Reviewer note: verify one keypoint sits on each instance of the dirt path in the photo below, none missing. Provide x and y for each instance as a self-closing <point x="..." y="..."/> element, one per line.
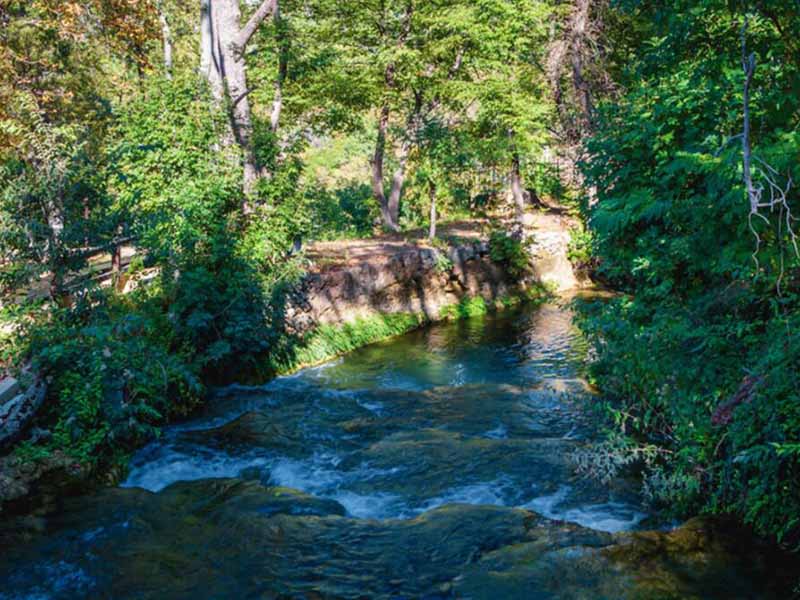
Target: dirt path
<point x="348" y="252"/>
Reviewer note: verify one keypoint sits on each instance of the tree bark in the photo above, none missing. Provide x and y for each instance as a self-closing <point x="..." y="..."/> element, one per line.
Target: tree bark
<point x="579" y="41"/>
<point x="517" y="191"/>
<point x="749" y="68"/>
<point x="210" y="67"/>
<point x="409" y="139"/>
<point x="166" y="39"/>
<point x="377" y="168"/>
<point x="398" y="179"/>
<point x="389" y="207"/>
<point x="223" y="64"/>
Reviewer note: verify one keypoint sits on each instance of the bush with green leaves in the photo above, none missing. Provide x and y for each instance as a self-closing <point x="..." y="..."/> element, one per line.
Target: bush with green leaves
<point x="114" y="376"/>
<point x="510" y="252"/>
<point x="580" y="250"/>
<point x="119" y="366"/>
<point x="699" y="359"/>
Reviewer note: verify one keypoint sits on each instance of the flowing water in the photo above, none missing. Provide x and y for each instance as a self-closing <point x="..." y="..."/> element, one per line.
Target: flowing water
<point x="415" y="468"/>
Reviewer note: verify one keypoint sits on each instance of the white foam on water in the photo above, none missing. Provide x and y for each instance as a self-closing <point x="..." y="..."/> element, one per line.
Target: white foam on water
<point x="484" y="493"/>
<point x="170" y="467"/>
<point x="498" y="433"/>
<point x="315" y="475"/>
<point x="608" y="516"/>
<point x="369" y="506"/>
<point x="320" y="477"/>
<point x="459" y="375"/>
<point x="375" y="407"/>
<point x="307" y="372"/>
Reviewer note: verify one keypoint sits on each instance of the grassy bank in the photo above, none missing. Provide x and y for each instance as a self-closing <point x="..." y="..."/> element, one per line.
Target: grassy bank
<point x="329" y="341"/>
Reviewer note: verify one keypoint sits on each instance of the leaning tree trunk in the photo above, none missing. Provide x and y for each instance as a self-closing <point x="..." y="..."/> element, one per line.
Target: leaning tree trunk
<point x="223" y="42"/>
<point x="580" y="23"/>
<point x="389" y="216"/>
<point x="398" y="179"/>
<point x="283" y="69"/>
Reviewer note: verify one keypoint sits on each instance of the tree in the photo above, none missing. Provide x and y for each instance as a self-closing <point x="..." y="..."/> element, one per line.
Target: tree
<point x="223" y="42"/>
<point x="513" y="114"/>
<point x="59" y="61"/>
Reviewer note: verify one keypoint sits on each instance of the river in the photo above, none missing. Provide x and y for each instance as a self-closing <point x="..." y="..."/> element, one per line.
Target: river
<point x="434" y="465"/>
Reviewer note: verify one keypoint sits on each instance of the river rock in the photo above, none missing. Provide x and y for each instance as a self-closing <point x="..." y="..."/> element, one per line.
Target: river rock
<point x="252" y="429"/>
<point x="28" y="484"/>
<point x="9" y="387"/>
<point x="434" y="461"/>
<point x="705" y="559"/>
<point x="228" y="538"/>
<point x="17" y="413"/>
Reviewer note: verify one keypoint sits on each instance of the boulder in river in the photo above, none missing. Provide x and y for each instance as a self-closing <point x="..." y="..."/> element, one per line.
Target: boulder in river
<point x="29" y="484"/>
<point x="705" y="559"/>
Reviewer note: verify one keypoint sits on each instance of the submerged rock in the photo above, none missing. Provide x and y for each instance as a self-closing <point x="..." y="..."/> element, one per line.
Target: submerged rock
<point x="228" y="538"/>
<point x="705" y="559"/>
<point x="252" y="429"/>
<point x="29" y="484"/>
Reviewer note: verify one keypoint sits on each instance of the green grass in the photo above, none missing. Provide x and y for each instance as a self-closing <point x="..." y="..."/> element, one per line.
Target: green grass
<point x="468" y="308"/>
<point x="329" y="341"/>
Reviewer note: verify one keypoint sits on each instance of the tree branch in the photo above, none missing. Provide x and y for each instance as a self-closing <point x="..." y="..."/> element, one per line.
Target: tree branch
<point x="266" y="8"/>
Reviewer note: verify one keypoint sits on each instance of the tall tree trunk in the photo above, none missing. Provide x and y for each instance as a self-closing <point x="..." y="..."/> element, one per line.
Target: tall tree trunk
<point x="580" y="41"/>
<point x="749" y="68"/>
<point x="210" y="67"/>
<point x="398" y="179"/>
<point x="388" y="215"/>
<point x="517" y="191"/>
<point x="223" y="41"/>
<point x="377" y="167"/>
<point x="166" y="40"/>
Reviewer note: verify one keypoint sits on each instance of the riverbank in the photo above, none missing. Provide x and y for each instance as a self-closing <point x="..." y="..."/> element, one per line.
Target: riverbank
<point x="354" y="293"/>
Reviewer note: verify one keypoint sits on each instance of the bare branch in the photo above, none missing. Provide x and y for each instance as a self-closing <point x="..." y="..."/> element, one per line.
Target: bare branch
<point x="778" y="195"/>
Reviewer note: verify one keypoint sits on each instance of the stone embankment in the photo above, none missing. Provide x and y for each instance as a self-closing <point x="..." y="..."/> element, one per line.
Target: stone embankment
<point x="358" y="279"/>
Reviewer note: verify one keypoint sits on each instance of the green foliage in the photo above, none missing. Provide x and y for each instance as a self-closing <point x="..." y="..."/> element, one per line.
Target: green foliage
<point x="52" y="206"/>
<point x="509" y="252"/>
<point x="114" y="377"/>
<point x="580" y="249"/>
<point x="346" y="212"/>
<point x="442" y="263"/>
<point x="329" y="341"/>
<point x="121" y="366"/>
<point x="700" y="360"/>
<point x="468" y="308"/>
